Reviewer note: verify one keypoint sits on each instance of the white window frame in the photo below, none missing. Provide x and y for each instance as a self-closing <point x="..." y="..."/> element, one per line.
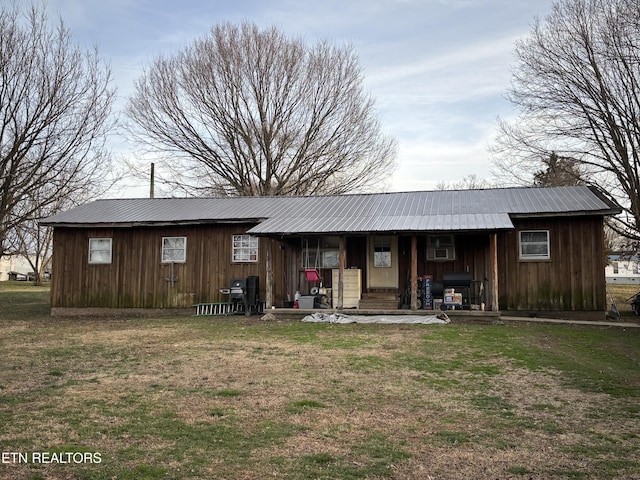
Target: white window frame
<point x="93" y="250"/>
<point x="244" y="248"/>
<point x="382" y="252"/>
<point x="534" y="256"/>
<point x="164" y="258"/>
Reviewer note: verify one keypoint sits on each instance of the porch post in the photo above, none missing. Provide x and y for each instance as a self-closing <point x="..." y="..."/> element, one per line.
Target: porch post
<point x="493" y="246"/>
<point x="269" y="279"/>
<point x="414" y="272"/>
<point x="341" y="262"/>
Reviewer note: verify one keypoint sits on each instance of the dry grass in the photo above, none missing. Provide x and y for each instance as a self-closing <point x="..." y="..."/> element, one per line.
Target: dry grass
<point x="620" y="294"/>
<point x="236" y="398"/>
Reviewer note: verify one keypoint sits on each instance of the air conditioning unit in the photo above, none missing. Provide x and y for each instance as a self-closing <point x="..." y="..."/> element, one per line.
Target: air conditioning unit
<point x="441" y="247"/>
<point x="441" y="253"/>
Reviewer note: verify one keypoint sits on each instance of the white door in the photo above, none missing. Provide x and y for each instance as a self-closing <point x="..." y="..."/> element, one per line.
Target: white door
<point x="383" y="262"/>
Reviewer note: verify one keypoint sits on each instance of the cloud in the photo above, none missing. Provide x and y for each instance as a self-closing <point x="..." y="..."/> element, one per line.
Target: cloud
<point x="423" y="165"/>
<point x="478" y="57"/>
<point x="436" y="68"/>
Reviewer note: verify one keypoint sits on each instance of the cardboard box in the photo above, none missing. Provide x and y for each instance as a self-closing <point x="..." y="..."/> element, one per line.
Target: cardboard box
<point x="455" y="299"/>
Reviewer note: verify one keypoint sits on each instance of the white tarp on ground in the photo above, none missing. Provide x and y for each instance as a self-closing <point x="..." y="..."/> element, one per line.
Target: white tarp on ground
<point x="321" y="317"/>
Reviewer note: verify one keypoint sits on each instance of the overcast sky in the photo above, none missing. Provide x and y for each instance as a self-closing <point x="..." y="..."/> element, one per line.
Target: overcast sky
<point x="438" y="69"/>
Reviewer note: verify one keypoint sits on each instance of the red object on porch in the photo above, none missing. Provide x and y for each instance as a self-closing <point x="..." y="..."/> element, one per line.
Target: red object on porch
<point x="312" y="275"/>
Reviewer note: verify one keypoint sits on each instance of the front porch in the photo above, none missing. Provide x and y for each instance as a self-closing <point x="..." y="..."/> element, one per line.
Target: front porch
<point x="389" y="272"/>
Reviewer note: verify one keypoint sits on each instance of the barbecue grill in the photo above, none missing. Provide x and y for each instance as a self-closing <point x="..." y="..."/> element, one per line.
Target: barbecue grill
<point x="460" y="281"/>
<point x="244" y="294"/>
<point x="456" y="280"/>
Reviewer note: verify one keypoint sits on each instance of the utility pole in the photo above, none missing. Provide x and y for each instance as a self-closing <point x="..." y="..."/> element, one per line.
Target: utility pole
<point x="153" y="181"/>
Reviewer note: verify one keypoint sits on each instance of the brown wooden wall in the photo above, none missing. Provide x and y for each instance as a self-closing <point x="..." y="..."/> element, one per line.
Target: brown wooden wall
<point x="293" y="275"/>
<point x="136" y="277"/>
<point x="573" y="278"/>
<point x="472" y="256"/>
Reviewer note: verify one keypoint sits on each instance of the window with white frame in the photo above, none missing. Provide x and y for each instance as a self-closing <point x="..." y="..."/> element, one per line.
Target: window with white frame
<point x="174" y="249"/>
<point x="382" y="252"/>
<point x="534" y="245"/>
<point x="244" y="249"/>
<point x="100" y="250"/>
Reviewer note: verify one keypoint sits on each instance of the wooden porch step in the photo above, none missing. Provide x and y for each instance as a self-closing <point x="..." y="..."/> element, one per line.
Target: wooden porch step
<point x="379" y="301"/>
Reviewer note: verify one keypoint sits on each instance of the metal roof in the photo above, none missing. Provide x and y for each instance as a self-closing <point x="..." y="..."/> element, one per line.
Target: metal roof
<point x="460" y="210"/>
<point x="384" y="223"/>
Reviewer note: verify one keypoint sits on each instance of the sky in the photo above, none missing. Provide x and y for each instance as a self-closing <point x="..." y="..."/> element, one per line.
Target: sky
<point x="437" y="69"/>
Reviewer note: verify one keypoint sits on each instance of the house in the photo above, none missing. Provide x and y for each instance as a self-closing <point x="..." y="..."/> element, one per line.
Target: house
<point x="623" y="268"/>
<point x="509" y="249"/>
<point x="14" y="266"/>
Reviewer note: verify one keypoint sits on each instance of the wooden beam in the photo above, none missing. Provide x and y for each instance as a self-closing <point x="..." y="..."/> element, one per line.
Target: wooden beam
<point x="493" y="246"/>
<point x="269" y="279"/>
<point x="414" y="272"/>
<point x="341" y="263"/>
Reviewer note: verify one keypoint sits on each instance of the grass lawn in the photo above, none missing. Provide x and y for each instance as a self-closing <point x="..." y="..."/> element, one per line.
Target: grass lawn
<point x="620" y="295"/>
<point x="237" y="398"/>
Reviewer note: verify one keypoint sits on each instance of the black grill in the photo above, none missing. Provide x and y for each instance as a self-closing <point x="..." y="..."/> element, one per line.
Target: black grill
<point x="456" y="280"/>
<point x="245" y="294"/>
<point x="461" y="282"/>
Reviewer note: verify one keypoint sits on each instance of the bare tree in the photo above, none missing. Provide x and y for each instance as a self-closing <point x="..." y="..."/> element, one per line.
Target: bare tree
<point x="245" y="111"/>
<point x="470" y="182"/>
<point x="32" y="241"/>
<point x="558" y="172"/>
<point x="55" y="105"/>
<point x="577" y="87"/>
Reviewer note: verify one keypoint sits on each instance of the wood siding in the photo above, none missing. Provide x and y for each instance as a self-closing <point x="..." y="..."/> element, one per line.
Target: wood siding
<point x="471" y="255"/>
<point x="136" y="278"/>
<point x="573" y="277"/>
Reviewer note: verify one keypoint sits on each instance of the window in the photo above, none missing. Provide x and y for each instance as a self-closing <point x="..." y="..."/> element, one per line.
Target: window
<point x="100" y="250"/>
<point x="245" y="248"/>
<point x="382" y="252"/>
<point x="534" y="245"/>
<point x="441" y="247"/>
<point x="320" y="252"/>
<point x="174" y="249"/>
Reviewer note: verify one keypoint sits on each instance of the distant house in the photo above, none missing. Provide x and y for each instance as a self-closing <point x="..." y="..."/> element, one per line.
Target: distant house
<point x="14" y="266"/>
<point x="623" y="268"/>
<point x="512" y="249"/>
